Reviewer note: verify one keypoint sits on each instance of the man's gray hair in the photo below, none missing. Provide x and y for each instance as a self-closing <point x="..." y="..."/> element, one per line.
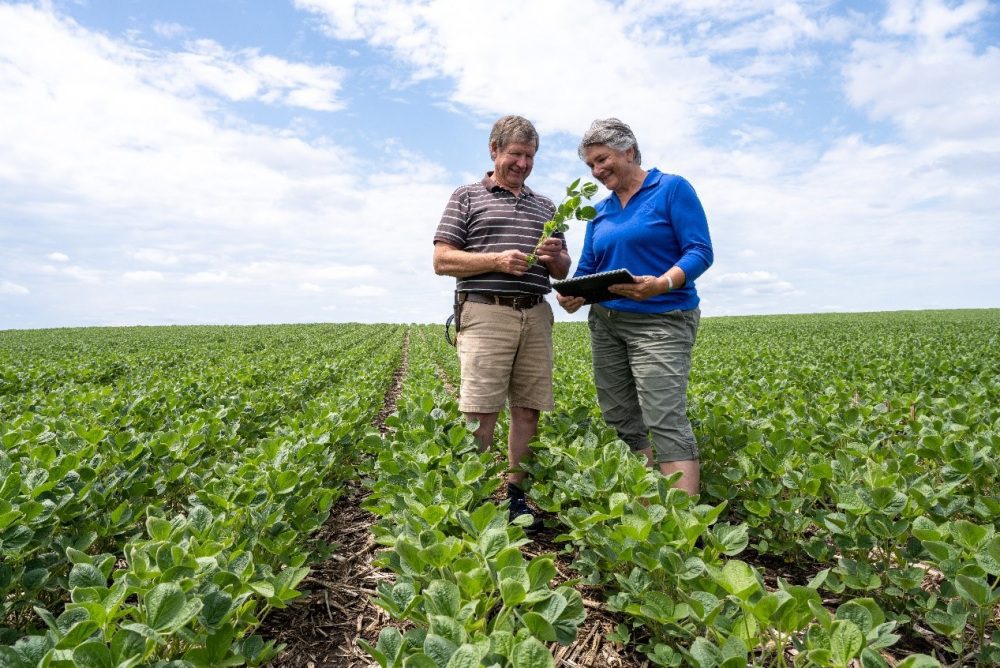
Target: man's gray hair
<point x="610" y="132"/>
<point x="512" y="130"/>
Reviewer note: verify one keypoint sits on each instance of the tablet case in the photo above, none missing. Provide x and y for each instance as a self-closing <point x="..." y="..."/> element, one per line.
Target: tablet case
<point x="593" y="287"/>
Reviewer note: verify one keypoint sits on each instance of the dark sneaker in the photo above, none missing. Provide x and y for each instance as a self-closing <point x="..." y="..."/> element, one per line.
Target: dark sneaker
<point x="519" y="506"/>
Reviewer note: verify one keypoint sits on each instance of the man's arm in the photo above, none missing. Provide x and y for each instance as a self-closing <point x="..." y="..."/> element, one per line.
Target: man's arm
<point x="451" y="261"/>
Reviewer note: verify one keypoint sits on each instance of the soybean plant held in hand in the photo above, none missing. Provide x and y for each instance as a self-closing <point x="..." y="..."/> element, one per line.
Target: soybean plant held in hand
<point x="569" y="209"/>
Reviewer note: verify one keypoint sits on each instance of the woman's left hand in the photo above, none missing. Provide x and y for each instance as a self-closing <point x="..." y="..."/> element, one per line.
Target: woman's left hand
<point x="644" y="287"/>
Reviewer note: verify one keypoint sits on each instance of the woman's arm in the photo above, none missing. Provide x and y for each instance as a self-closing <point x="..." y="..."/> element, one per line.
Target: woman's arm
<point x="691" y="229"/>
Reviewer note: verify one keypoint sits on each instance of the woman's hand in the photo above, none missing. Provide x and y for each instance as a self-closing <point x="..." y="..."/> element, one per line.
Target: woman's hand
<point x="644" y="287"/>
<point x="570" y="304"/>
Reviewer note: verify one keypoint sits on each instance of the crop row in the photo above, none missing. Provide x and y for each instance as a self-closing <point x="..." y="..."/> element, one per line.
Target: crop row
<point x="140" y="537"/>
<point x="866" y="446"/>
<point x="847" y="557"/>
<point x="160" y="487"/>
<point x="462" y="584"/>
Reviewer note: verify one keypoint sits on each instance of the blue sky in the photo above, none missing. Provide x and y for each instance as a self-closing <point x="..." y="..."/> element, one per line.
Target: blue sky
<point x="182" y="162"/>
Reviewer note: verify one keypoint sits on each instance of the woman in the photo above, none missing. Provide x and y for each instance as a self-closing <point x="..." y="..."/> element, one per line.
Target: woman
<point x="653" y="225"/>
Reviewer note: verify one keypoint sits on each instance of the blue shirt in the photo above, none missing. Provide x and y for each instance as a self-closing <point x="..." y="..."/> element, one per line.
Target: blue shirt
<point x="662" y="225"/>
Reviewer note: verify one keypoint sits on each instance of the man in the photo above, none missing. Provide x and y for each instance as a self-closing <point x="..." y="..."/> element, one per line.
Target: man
<point x="486" y="233"/>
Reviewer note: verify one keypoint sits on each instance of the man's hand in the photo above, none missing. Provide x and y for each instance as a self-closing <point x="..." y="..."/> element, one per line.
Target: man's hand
<point x="511" y="262"/>
<point x="570" y="304"/>
<point x="644" y="287"/>
<point x="549" y="250"/>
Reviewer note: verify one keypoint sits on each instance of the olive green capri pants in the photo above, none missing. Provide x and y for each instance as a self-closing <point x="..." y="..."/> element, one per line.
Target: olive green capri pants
<point x="641" y="366"/>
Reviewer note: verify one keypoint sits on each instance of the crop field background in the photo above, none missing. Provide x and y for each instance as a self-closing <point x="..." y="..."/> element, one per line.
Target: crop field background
<point x="309" y="495"/>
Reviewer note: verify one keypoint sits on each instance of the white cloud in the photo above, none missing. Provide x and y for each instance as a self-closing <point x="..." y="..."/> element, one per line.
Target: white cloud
<point x="154" y="256"/>
<point x="640" y="63"/>
<point x="143" y="276"/>
<point x="211" y="278"/>
<point x="83" y="275"/>
<point x="8" y="288"/>
<point x="58" y="257"/>
<point x="93" y="133"/>
<point x="931" y="18"/>
<point x="247" y="74"/>
<point x="169" y="29"/>
<point x="751" y="283"/>
<point x="143" y="159"/>
<point x="942" y="89"/>
<point x="365" y="291"/>
<point x="86" y="125"/>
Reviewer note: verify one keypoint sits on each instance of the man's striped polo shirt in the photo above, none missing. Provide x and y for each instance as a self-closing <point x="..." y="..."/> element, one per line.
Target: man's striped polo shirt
<point x="484" y="217"/>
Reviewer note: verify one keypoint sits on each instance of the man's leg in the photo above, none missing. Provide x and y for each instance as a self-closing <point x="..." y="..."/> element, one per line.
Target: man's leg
<point x="523" y="425"/>
<point x="484" y="432"/>
<point x="530" y="384"/>
<point x="530" y="393"/>
<point x="487" y="347"/>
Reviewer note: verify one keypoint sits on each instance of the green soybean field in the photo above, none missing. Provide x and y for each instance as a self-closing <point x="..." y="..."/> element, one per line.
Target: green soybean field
<point x="310" y="495"/>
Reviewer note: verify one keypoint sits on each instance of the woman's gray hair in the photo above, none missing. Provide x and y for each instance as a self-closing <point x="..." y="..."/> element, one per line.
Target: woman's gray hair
<point x="512" y="130"/>
<point x="610" y="132"/>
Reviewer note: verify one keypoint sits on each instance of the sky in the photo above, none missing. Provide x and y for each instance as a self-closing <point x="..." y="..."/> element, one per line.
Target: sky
<point x="238" y="162"/>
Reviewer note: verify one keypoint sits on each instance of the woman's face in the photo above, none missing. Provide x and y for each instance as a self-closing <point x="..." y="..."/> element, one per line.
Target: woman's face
<point x="609" y="166"/>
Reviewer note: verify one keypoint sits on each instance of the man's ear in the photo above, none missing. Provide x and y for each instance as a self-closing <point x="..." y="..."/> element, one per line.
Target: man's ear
<point x="493" y="151"/>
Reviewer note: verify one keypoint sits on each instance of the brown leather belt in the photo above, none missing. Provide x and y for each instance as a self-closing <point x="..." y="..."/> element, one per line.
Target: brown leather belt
<point x="519" y="302"/>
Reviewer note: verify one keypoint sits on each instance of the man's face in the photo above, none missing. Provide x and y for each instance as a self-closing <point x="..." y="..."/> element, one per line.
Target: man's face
<point x="512" y="164"/>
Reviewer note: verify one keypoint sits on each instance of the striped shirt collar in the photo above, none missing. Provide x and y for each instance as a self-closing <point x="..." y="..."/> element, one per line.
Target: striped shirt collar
<point x="492" y="186"/>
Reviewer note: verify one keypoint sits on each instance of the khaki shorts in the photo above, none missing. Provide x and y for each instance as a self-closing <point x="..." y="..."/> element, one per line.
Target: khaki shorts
<point x="505" y="354"/>
<point x="641" y="367"/>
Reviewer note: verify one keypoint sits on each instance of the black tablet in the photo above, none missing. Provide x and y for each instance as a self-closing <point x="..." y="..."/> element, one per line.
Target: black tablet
<point x="593" y="287"/>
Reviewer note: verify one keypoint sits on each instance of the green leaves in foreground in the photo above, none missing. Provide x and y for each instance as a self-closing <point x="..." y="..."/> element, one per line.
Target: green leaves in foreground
<point x="462" y="580"/>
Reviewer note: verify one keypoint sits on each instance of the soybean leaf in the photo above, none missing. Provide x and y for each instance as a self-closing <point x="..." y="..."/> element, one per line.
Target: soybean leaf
<point x="974" y="590"/>
<point x="466" y="656"/>
<point x="167" y="607"/>
<point x="846" y="641"/>
<point x="86" y="575"/>
<point x="443" y="598"/>
<point x="705" y="653"/>
<point x="918" y="661"/>
<point x="92" y="654"/>
<point x="439" y="649"/>
<point x="531" y="653"/>
<point x="739" y="579"/>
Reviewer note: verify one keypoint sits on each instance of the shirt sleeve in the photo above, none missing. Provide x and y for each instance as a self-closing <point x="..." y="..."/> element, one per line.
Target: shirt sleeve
<point x="454" y="226"/>
<point x="691" y="229"/>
